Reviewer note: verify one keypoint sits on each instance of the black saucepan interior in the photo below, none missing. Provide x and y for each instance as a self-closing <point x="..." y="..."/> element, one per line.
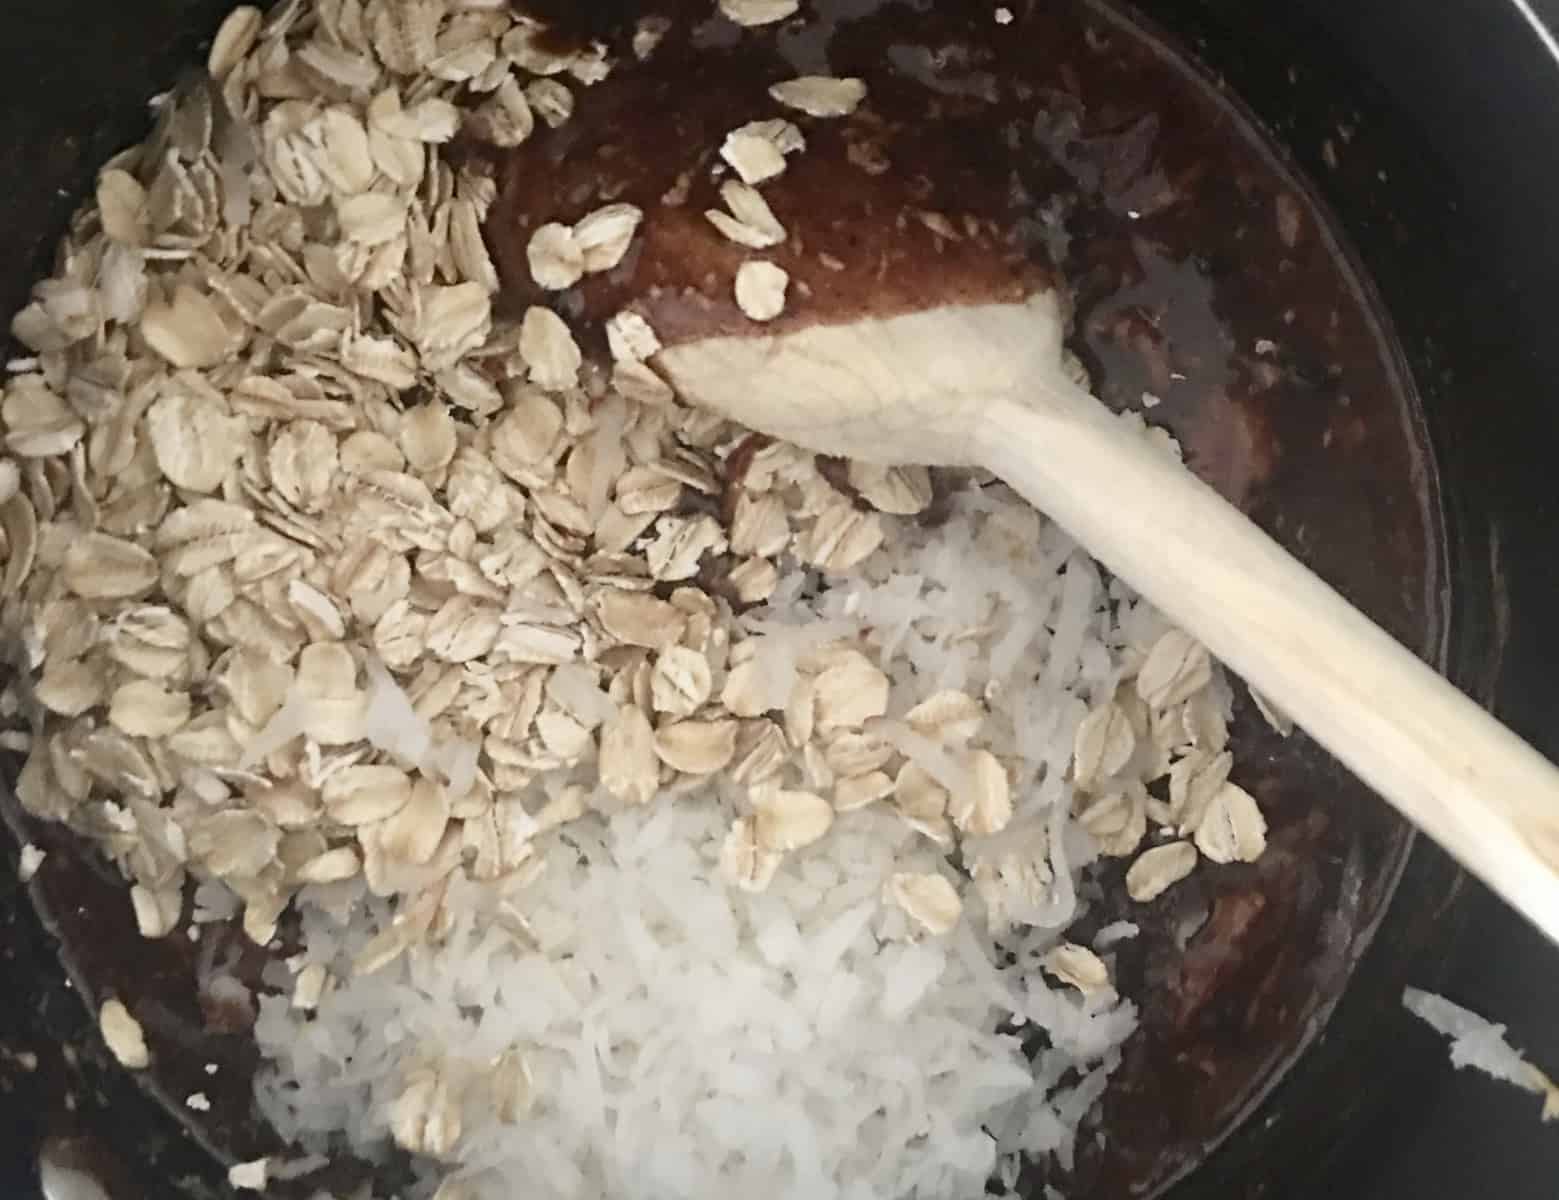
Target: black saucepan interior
<point x="74" y="77"/>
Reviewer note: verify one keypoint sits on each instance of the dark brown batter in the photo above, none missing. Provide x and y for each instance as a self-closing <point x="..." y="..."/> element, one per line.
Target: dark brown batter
<point x="1203" y="276"/>
<point x="1209" y="292"/>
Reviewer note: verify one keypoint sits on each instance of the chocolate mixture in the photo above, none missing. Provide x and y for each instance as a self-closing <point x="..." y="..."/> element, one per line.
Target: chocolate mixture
<point x="1208" y="291"/>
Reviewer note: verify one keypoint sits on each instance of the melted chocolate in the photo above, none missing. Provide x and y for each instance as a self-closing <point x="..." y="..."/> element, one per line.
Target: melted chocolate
<point x="1203" y="273"/>
<point x="1209" y="290"/>
<point x="907" y="199"/>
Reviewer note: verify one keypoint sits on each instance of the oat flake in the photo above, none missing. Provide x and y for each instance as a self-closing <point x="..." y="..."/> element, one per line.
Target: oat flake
<point x="760" y="290"/>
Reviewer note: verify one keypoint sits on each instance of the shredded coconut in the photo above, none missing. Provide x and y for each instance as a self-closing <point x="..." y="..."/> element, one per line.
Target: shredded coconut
<point x="649" y="1004"/>
<point x="1481" y="1044"/>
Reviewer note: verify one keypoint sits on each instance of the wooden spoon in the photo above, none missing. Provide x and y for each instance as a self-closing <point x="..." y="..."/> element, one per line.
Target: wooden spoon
<point x="923" y="324"/>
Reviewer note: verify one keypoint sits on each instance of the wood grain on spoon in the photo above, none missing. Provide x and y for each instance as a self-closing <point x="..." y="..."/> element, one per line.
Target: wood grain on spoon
<point x="924" y="326"/>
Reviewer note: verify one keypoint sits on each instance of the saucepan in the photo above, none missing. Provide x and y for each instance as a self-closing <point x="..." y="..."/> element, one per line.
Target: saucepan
<point x="1423" y="137"/>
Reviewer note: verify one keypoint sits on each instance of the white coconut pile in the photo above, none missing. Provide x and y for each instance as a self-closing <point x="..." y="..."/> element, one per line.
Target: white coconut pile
<point x="683" y="1038"/>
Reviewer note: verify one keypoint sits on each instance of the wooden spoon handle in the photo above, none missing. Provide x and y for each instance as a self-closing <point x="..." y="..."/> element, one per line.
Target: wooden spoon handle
<point x="1451" y="769"/>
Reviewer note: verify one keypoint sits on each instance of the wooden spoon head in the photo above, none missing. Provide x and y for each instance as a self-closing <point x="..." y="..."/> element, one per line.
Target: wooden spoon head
<point x="901" y="221"/>
<point x="902" y="389"/>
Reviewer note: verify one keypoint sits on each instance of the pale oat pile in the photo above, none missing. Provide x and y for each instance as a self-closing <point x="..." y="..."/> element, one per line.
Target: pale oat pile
<point x="323" y="580"/>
